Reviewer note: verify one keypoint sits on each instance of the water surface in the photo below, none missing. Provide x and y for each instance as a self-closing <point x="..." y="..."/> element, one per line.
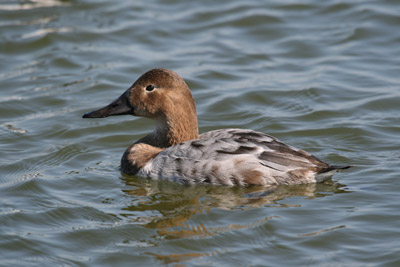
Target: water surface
<point x="322" y="76"/>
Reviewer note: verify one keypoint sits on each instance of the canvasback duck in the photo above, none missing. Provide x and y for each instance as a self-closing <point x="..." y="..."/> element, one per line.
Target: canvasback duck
<point x="175" y="151"/>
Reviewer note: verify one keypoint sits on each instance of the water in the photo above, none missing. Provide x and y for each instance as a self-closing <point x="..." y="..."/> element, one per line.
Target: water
<point x="320" y="75"/>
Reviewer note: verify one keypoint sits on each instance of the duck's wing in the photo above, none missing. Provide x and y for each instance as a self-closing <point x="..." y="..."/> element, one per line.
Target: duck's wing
<point x="235" y="156"/>
<point x="271" y="151"/>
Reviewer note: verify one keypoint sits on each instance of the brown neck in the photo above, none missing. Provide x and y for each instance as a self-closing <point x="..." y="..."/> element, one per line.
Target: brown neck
<point x="180" y="128"/>
<point x="172" y="130"/>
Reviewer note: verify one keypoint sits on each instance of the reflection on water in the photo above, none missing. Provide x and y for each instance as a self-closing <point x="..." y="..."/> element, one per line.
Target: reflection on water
<point x="173" y="206"/>
<point x="176" y="204"/>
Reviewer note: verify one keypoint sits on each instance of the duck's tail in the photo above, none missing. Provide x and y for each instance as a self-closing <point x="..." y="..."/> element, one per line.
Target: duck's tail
<point x="334" y="168"/>
<point x="327" y="173"/>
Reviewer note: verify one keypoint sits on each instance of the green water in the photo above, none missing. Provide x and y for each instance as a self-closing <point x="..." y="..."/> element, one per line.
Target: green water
<point x="319" y="75"/>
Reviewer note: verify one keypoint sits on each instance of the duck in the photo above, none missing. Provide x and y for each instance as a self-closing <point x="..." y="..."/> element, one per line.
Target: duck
<point x="175" y="151"/>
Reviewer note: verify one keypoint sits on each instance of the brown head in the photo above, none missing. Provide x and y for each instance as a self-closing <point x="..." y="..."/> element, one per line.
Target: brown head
<point x="162" y="95"/>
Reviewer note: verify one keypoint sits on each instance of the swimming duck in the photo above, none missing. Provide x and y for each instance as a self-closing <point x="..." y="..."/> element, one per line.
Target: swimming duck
<point x="175" y="151"/>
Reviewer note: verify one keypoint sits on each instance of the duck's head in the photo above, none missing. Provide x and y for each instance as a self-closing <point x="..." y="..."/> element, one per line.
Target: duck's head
<point x="159" y="94"/>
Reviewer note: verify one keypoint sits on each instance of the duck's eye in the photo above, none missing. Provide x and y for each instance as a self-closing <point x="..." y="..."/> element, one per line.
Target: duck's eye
<point x="150" y="88"/>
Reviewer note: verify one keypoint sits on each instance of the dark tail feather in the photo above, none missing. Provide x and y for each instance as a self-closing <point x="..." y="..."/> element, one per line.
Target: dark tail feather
<point x="334" y="167"/>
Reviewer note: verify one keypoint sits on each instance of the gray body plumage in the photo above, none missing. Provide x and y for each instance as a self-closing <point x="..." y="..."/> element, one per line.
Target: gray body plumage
<point x="236" y="157"/>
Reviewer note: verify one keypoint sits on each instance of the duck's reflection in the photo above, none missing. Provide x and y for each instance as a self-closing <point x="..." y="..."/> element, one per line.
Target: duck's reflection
<point x="175" y="205"/>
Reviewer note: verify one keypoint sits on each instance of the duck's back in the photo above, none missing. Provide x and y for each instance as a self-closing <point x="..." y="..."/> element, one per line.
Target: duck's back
<point x="236" y="157"/>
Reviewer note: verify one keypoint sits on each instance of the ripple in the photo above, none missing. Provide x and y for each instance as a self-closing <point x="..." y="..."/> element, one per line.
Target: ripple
<point x="33" y="5"/>
<point x="43" y="32"/>
<point x="322" y="231"/>
<point x="14" y="129"/>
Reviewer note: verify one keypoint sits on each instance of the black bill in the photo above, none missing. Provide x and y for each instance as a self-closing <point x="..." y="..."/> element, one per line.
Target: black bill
<point x="120" y="106"/>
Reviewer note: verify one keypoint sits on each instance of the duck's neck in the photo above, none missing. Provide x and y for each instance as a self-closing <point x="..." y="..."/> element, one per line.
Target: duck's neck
<point x="171" y="130"/>
<point x="181" y="128"/>
<point x="176" y="129"/>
